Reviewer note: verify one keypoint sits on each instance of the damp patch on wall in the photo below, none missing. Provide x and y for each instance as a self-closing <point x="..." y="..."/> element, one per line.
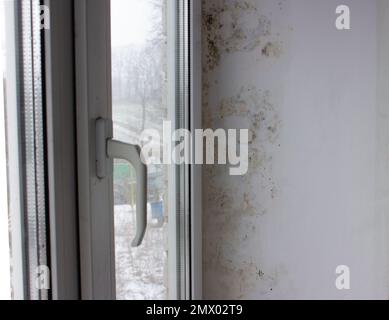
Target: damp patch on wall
<point x="231" y="26"/>
<point x="235" y="207"/>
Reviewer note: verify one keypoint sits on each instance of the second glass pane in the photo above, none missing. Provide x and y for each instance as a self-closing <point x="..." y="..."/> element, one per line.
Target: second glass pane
<point x="139" y="75"/>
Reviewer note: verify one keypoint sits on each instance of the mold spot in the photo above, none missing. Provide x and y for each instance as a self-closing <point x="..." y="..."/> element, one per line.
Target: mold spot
<point x="272" y="49"/>
<point x="260" y="273"/>
<point x="281" y="5"/>
<point x="250" y="108"/>
<point x="231" y="26"/>
<point x="235" y="207"/>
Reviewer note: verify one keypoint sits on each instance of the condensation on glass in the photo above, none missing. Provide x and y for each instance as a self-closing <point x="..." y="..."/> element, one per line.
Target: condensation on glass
<point x="139" y="102"/>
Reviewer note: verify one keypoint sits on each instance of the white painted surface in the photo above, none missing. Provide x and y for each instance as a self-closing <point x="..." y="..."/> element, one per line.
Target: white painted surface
<point x="329" y="167"/>
<point x="5" y="277"/>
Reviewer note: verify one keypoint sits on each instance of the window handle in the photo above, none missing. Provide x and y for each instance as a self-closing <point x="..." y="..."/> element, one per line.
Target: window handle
<point x="109" y="148"/>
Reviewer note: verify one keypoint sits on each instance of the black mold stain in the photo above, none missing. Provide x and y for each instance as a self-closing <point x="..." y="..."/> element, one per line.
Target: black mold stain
<point x="260" y="273"/>
<point x="233" y="208"/>
<point x="253" y="105"/>
<point x="232" y="26"/>
<point x="272" y="49"/>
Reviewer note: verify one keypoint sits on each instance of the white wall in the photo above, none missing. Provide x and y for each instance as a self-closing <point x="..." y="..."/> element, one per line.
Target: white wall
<point x="317" y="193"/>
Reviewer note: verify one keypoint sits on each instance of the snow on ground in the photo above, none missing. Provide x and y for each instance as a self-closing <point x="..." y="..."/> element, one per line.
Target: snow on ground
<point x="140" y="272"/>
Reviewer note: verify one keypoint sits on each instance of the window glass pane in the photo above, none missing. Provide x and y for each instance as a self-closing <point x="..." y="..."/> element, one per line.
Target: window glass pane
<point x="139" y="75"/>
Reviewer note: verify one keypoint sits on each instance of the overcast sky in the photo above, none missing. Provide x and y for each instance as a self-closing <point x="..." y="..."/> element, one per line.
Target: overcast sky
<point x="131" y="22"/>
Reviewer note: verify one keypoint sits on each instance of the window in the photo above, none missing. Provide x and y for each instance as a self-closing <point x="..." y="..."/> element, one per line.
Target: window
<point x="139" y="93"/>
<point x="136" y="65"/>
<point x="65" y="230"/>
<point x="23" y="152"/>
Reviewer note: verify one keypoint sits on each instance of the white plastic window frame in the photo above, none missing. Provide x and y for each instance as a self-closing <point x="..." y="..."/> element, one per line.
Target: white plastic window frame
<point x="15" y="181"/>
<point x="92" y="29"/>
